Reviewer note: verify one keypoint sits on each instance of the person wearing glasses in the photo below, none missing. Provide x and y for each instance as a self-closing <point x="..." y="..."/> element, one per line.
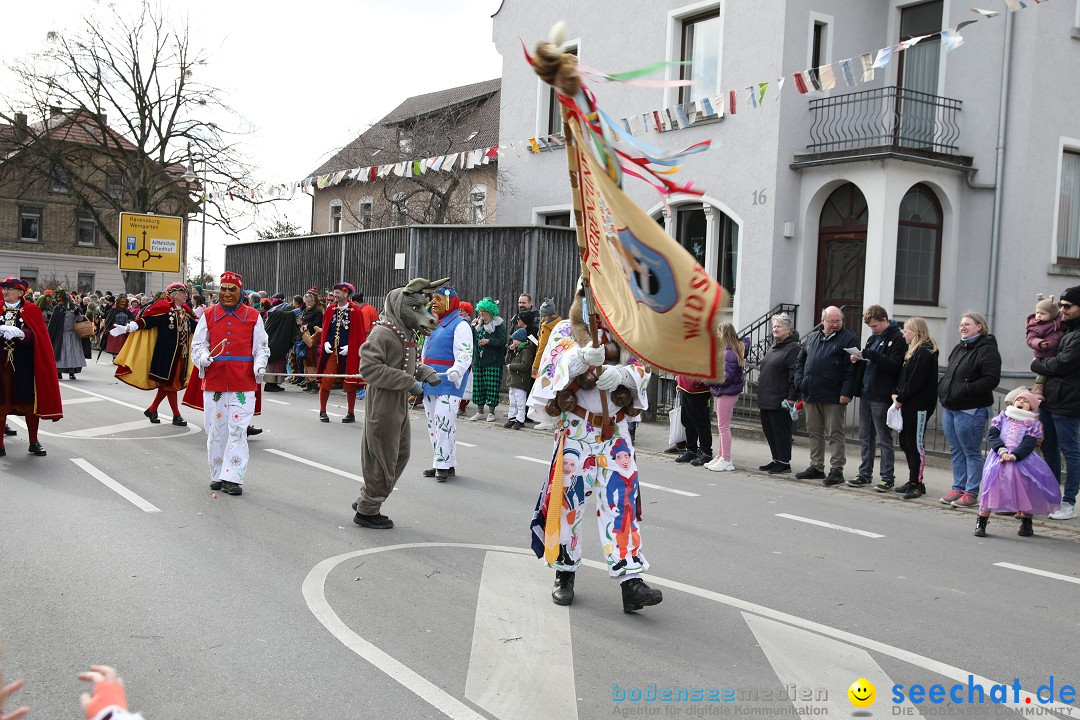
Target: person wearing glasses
<point x="1060" y="410"/>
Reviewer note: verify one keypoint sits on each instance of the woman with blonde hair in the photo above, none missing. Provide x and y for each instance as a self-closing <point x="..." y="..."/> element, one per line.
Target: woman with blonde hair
<point x="916" y="396"/>
<point x="726" y="394"/>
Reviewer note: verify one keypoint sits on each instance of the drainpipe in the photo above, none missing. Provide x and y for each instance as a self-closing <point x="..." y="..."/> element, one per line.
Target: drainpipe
<point x="999" y="171"/>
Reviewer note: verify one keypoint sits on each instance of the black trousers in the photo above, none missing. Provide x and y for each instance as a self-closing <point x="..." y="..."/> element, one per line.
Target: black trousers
<point x="696" y="420"/>
<point x="779" y="429"/>
<point x="911" y="441"/>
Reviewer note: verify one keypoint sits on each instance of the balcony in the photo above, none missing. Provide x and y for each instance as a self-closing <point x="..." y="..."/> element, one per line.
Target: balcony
<point x="882" y="123"/>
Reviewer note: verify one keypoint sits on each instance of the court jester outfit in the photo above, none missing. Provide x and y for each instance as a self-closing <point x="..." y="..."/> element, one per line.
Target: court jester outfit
<point x="28" y="382"/>
<point x="230" y="349"/>
<point x="344" y="330"/>
<point x="160" y="358"/>
<point x="448" y="351"/>
<point x="590" y="459"/>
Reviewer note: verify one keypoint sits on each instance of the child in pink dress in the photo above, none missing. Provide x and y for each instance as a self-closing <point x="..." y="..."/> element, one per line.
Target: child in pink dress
<point x="1015" y="478"/>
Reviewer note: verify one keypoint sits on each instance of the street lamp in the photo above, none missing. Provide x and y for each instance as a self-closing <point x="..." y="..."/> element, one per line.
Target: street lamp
<point x="191" y="177"/>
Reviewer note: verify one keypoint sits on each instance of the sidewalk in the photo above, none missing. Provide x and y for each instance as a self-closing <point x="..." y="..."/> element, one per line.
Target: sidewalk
<point x="749" y="451"/>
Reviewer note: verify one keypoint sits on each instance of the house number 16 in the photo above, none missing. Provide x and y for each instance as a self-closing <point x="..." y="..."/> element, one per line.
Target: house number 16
<point x="760" y="197"/>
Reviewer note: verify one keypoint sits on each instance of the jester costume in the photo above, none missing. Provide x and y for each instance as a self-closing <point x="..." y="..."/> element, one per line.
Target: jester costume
<point x="591" y="457"/>
<point x="344" y="330"/>
<point x="28" y="382"/>
<point x="449" y="351"/>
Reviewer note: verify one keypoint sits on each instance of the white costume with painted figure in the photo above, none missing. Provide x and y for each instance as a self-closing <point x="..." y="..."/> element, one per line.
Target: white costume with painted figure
<point x="449" y="351"/>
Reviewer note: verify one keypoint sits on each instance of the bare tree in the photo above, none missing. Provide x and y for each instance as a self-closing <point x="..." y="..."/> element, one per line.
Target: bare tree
<point x="116" y="112"/>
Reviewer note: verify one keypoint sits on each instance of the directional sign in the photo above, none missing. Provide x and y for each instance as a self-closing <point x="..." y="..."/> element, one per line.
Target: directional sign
<point x="149" y="243"/>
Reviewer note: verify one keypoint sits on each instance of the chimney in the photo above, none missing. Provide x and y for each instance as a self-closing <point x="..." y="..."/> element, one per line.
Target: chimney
<point x="21" y="130"/>
<point x="103" y="118"/>
<point x="55" y="110"/>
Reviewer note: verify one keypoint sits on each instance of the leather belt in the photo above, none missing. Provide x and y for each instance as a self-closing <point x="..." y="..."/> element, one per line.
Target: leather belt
<point x="596" y="419"/>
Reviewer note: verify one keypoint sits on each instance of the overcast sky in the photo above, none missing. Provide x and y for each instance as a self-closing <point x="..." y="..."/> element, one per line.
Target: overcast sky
<point x="309" y="76"/>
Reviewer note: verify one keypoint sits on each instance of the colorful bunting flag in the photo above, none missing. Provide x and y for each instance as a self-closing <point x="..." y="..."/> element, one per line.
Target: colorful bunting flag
<point x="762" y="87"/>
<point x="848" y="72"/>
<point x="951" y="40"/>
<point x="731" y="102"/>
<point x="779" y="86"/>
<point x="827" y="77"/>
<point x="800" y="83"/>
<point x="867" y="67"/>
<point x="883" y="57"/>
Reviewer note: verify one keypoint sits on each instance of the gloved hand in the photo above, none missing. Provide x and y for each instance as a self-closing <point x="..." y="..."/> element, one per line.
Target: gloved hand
<point x="417" y="389"/>
<point x="454" y="376"/>
<point x="10" y="332"/>
<point x="344" y="350"/>
<point x="259" y="373"/>
<point x="610" y="378"/>
<point x="118" y="330"/>
<point x="132" y="326"/>
<point x="202" y="361"/>
<point x="593" y="356"/>
<point x="429" y="376"/>
<point x="327" y="349"/>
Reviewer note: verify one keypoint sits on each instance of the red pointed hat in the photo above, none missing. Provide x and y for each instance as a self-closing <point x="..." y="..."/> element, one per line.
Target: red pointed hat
<point x="230" y="277"/>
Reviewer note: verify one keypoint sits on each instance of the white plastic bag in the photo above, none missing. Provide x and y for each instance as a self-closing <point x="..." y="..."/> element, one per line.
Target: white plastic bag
<point x="894" y="419"/>
<point x="676" y="431"/>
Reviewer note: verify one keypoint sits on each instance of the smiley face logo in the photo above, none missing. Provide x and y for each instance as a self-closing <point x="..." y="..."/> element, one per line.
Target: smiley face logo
<point x="862" y="693"/>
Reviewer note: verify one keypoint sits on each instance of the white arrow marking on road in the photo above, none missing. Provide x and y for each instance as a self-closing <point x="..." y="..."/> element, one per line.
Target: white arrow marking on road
<point x="1036" y="571"/>
<point x="109" y="429"/>
<point x="79" y="401"/>
<point x="796" y="657"/>
<point x="103" y="397"/>
<point x="831" y="526"/>
<point x="522" y="662"/>
<point x="463" y="444"/>
<point x="279" y="402"/>
<point x="116" y="487"/>
<point x="642" y="484"/>
<point x="75" y="434"/>
<point x="312" y="463"/>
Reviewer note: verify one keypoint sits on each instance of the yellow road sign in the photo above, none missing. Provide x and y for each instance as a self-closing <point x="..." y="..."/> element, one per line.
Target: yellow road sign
<point x="150" y="243"/>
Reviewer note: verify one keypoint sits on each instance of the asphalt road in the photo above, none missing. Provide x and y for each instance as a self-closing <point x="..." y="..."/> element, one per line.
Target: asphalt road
<point x="274" y="604"/>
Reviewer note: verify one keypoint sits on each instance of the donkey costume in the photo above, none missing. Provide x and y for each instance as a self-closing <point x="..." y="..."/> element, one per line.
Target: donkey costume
<point x="388" y="364"/>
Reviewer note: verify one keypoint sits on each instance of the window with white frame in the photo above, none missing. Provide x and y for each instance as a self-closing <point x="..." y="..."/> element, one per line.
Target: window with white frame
<point x="86" y="282"/>
<point x="552" y="114"/>
<point x="85" y="230"/>
<point x="557" y="219"/>
<point x="478" y="205"/>
<point x="30" y="224"/>
<point x="335" y="217"/>
<point x="699" y="49"/>
<point x="1068" y="228"/>
<point x="59" y="180"/>
<point x="367" y="212"/>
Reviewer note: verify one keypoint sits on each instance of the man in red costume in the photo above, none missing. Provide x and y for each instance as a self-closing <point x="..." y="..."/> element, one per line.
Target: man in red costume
<point x="344" y="331"/>
<point x="28" y="382"/>
<point x="231" y="350"/>
<point x="167" y="371"/>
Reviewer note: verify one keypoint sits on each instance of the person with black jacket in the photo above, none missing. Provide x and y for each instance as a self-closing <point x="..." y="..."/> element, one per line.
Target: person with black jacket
<point x="916" y="397"/>
<point x="966" y="392"/>
<point x="776" y="384"/>
<point x="1060" y="408"/>
<point x="826" y="379"/>
<point x="876" y="375"/>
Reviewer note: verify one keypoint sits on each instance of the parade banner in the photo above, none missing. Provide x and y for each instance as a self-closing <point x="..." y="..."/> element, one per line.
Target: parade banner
<point x="653" y="296"/>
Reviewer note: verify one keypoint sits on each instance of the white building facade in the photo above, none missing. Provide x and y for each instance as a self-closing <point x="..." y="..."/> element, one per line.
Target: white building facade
<point x="948" y="183"/>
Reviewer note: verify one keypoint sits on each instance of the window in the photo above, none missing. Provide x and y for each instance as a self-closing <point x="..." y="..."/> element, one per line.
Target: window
<point x="700" y="49"/>
<point x="553" y="123"/>
<point x="114" y="185"/>
<point x="918" y="248"/>
<point x="405" y="147"/>
<point x="478" y="205"/>
<point x="59" y="183"/>
<point x="29" y="275"/>
<point x="86" y="282"/>
<point x="366" y="213"/>
<point x="1068" y="229"/>
<point x="30" y="224"/>
<point x="729" y="253"/>
<point x="398" y="210"/>
<point x="817" y="44"/>
<point x="335" y="217"/>
<point x="557" y="219"/>
<point x="85" y="230"/>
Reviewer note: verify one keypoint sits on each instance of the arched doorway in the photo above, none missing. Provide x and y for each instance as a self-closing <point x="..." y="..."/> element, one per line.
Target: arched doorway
<point x="842" y="255"/>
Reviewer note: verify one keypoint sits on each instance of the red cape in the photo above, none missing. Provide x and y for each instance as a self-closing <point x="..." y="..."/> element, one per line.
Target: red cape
<point x="162" y="306"/>
<point x="46" y="385"/>
<point x="358" y="330"/>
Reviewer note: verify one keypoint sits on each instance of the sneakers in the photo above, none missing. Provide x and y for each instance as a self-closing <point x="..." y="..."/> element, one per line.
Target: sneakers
<point x="780" y="468"/>
<point x="376" y="522"/>
<point x="768" y="466"/>
<point x="231" y="488"/>
<point x="675" y="449"/>
<point x="477" y="416"/>
<point x="636" y="595"/>
<point x="509" y="424"/>
<point x="965" y="501"/>
<point x="884" y="486"/>
<point x="490" y="417"/>
<point x="702" y="458"/>
<point x="859" y="481"/>
<point x="835" y="477"/>
<point x="687" y="456"/>
<point x="916" y="490"/>
<point x="215" y="485"/>
<point x="720" y="465"/>
<point x="1067" y="511"/>
<point x="953" y="495"/>
<point x="810" y="473"/>
<point x="901" y="489"/>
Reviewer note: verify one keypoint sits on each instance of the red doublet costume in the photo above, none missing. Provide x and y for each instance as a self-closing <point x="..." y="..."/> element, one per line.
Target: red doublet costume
<point x="355" y="325"/>
<point x="230" y="336"/>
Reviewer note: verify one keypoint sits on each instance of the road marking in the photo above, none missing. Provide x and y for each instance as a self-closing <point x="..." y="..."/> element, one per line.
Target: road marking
<point x="533" y="460"/>
<point x="831" y="526"/>
<point x="314" y="464"/>
<point x="279" y="402"/>
<point x="642" y="484"/>
<point x="116" y="487"/>
<point x="90" y="434"/>
<point x="1036" y="571"/>
<point x="522" y="661"/>
<point x="462" y="444"/>
<point x="104" y="397"/>
<point x="315" y="596"/>
<point x="80" y="401"/>
<point x="329" y="413"/>
<point x="667" y="489"/>
<point x="795" y="656"/>
<point x="107" y="429"/>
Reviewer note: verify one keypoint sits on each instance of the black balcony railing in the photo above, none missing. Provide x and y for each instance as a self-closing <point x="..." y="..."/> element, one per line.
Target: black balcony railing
<point x="890" y="117"/>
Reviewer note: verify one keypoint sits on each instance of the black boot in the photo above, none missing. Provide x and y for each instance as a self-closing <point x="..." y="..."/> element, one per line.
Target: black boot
<point x="1025" y="527"/>
<point x="636" y="595"/>
<point x="563" y="592"/>
<point x="152" y="415"/>
<point x="36" y="449"/>
<point x="179" y="421"/>
<point x="980" y="525"/>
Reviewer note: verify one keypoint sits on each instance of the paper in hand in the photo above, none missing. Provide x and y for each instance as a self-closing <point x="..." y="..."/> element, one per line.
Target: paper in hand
<point x="854" y="351"/>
